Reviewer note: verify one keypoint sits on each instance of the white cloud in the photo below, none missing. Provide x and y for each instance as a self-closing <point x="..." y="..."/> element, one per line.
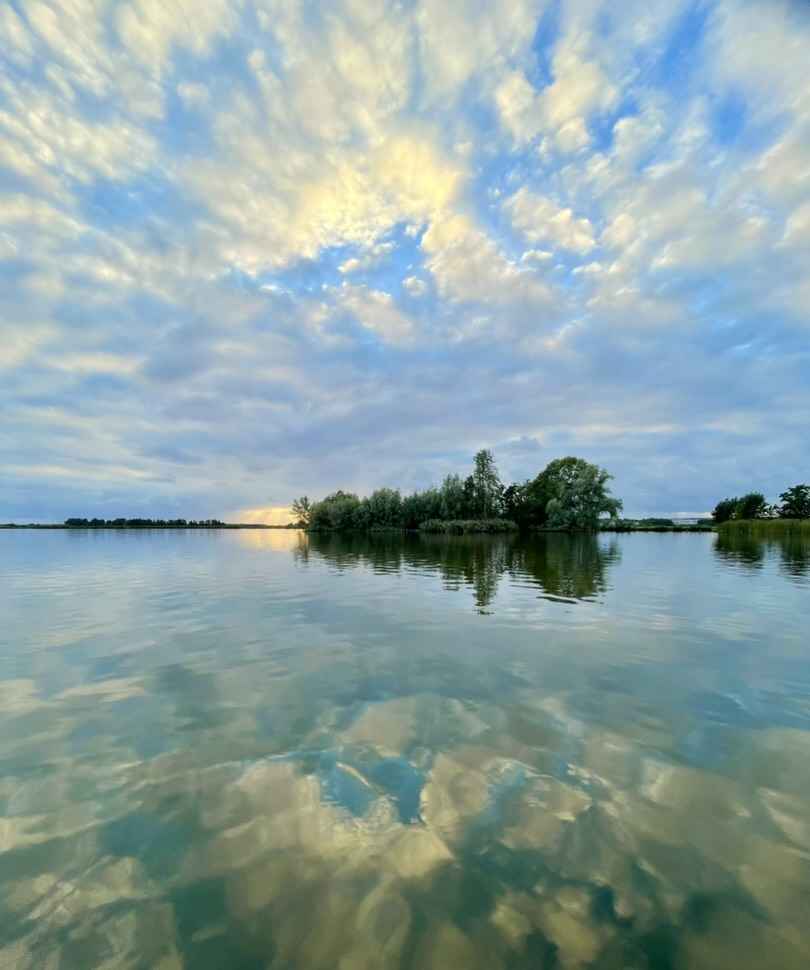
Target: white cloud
<point x="519" y="107"/>
<point x="573" y="136"/>
<point x="49" y="142"/>
<point x="20" y="341"/>
<point x="536" y="256"/>
<point x="376" y="311"/>
<point x="193" y="95"/>
<point x="463" y="39"/>
<point x="372" y="257"/>
<point x="797" y="229"/>
<point x="468" y="266"/>
<point x="15" y="41"/>
<point x="415" y="286"/>
<point x="540" y="219"/>
<point x="150" y="28"/>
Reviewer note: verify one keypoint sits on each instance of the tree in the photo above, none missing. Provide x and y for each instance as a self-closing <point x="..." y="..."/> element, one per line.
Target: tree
<point x="302" y="510"/>
<point x="487" y="487"/>
<point x="384" y="508"/>
<point x="340" y="510"/>
<point x="795" y="503"/>
<point x="751" y="506"/>
<point x="515" y="503"/>
<point x="452" y="498"/>
<point x="725" y="509"/>
<point x="575" y="494"/>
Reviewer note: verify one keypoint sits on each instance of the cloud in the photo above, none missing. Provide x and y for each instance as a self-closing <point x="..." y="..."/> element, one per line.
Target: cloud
<point x="468" y="266"/>
<point x="415" y="286"/>
<point x="246" y="247"/>
<point x="266" y="515"/>
<point x="376" y="311"/>
<point x="539" y="219"/>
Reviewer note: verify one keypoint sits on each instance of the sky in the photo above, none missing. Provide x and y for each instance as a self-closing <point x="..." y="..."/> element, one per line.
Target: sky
<point x="254" y="249"/>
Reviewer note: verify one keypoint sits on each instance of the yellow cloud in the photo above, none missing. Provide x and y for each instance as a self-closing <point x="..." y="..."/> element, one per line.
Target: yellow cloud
<point x="265" y="515"/>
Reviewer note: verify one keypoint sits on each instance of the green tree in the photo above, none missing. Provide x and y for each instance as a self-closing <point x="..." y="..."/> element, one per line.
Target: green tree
<point x="751" y="506"/>
<point x="421" y="506"/>
<point x="470" y="510"/>
<point x="575" y="494"/>
<point x="795" y="503"/>
<point x="384" y="508"/>
<point x="340" y="510"/>
<point x="725" y="509"/>
<point x="302" y="510"/>
<point x="452" y="498"/>
<point x="515" y="503"/>
<point x="487" y="487"/>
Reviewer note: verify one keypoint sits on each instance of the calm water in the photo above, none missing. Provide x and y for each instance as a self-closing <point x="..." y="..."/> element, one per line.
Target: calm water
<point x="234" y="751"/>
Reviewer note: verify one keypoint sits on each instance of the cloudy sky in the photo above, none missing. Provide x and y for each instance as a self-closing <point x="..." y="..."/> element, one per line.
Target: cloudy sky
<point x="256" y="248"/>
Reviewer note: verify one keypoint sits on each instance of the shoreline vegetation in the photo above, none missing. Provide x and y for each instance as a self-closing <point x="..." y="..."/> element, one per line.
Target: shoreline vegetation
<point x="766" y="528"/>
<point x="83" y="524"/>
<point x="569" y="494"/>
<point x="750" y="516"/>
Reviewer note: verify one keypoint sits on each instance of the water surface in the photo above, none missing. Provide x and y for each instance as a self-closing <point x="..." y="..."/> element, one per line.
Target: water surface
<point x="233" y="751"/>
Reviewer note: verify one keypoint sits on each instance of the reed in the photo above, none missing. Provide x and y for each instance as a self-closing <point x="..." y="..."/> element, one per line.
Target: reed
<point x="766" y="528"/>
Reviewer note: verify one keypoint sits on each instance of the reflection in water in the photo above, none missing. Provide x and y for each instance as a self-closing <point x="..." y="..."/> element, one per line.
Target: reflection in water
<point x="315" y="758"/>
<point x="751" y="551"/>
<point x="561" y="566"/>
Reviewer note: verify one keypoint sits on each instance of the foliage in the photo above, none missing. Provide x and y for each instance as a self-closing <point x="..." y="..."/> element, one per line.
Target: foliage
<point x="419" y="506"/>
<point x="655" y="525"/>
<point x="724" y="510"/>
<point x="571" y="493"/>
<point x="340" y="510"/>
<point x="302" y="510"/>
<point x="383" y="508"/>
<point x="465" y="526"/>
<point x="751" y="506"/>
<point x="487" y="490"/>
<point x="766" y="528"/>
<point x="453" y="498"/>
<point x="795" y="502"/>
<point x="516" y="503"/>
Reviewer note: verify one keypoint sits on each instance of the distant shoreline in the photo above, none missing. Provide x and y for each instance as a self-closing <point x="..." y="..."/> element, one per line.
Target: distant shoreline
<point x="143" y="528"/>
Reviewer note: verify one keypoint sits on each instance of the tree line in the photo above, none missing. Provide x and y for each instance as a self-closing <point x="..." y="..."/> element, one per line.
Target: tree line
<point x="794" y="503"/>
<point x="144" y="524"/>
<point x="569" y="493"/>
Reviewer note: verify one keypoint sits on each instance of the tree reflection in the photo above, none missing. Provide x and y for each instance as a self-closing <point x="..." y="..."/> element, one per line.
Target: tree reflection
<point x="571" y="567"/>
<point x="567" y="567"/>
<point x="740" y="549"/>
<point x="794" y="551"/>
<point x="751" y="551"/>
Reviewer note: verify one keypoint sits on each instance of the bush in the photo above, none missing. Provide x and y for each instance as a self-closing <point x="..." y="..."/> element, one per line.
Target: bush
<point x="466" y="526"/>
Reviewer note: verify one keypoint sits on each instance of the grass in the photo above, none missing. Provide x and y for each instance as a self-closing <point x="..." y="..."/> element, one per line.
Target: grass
<point x="766" y="528"/>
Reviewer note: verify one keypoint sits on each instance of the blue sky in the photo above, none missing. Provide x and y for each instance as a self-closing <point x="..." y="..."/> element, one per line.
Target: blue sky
<point x="252" y="249"/>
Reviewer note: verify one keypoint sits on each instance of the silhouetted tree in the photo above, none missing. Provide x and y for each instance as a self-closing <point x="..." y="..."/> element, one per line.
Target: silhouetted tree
<point x="795" y="502"/>
<point x="302" y="510"/>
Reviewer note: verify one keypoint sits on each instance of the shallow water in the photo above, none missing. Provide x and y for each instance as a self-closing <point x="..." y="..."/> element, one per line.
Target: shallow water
<point x="228" y="751"/>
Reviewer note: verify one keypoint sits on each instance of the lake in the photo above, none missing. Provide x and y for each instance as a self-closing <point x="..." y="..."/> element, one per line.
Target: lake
<point x="257" y="749"/>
